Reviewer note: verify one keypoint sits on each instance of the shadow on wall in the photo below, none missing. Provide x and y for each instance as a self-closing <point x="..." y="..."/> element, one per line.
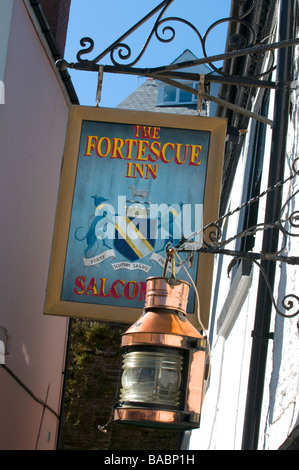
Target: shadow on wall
<point x="91" y="391"/>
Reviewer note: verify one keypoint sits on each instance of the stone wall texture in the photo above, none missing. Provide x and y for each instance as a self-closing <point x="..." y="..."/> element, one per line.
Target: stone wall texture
<point x="91" y="391"/>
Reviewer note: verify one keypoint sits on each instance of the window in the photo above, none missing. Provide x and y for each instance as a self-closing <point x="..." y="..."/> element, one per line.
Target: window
<point x="169" y="95"/>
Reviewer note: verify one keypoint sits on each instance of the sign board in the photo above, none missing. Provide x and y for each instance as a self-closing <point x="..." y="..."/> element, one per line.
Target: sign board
<point x="131" y="183"/>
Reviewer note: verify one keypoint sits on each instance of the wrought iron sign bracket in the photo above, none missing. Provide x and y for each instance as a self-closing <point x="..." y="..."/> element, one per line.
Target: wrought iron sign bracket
<point x="173" y="73"/>
<point x="212" y="242"/>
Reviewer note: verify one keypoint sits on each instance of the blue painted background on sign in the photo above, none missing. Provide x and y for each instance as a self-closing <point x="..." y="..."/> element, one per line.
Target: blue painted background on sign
<point x="137" y="189"/>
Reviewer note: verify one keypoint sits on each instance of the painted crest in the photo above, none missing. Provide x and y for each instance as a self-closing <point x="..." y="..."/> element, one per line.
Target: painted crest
<point x="135" y="236"/>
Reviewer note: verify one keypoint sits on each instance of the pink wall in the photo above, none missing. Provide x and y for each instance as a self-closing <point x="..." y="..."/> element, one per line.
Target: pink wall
<point x="32" y="130"/>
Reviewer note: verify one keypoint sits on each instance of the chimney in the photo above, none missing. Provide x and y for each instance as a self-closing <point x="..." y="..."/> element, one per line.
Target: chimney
<point x="57" y="15"/>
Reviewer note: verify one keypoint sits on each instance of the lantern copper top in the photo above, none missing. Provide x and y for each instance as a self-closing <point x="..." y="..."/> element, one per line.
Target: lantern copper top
<point x="166" y="293"/>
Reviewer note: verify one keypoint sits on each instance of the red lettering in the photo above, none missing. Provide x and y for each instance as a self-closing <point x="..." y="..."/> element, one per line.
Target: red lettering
<point x="127" y="291"/>
<point x="146" y="132"/>
<point x="194" y="157"/>
<point x="91" y="287"/>
<point x="138" y="169"/>
<point x="99" y="147"/>
<point x="178" y="152"/>
<point x="130" y="290"/>
<point x="130" y="143"/>
<point x="129" y="170"/>
<point x="151" y="171"/>
<point x="117" y="145"/>
<point x="102" y="288"/>
<point x="163" y="152"/>
<point x="142" y="291"/>
<point x="113" y="289"/>
<point x="79" y="282"/>
<point x="155" y="151"/>
<point x="142" y="144"/>
<point x="155" y="133"/>
<point x="136" y="128"/>
<point x="90" y="143"/>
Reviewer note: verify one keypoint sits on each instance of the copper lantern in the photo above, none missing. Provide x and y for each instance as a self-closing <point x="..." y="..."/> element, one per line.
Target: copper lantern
<point x="164" y="362"/>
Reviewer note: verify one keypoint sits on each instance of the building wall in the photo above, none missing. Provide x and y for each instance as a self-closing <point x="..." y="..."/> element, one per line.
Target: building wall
<point x="32" y="130"/>
<point x="281" y="407"/>
<point x="5" y="20"/>
<point x="224" y="406"/>
<point x="57" y="14"/>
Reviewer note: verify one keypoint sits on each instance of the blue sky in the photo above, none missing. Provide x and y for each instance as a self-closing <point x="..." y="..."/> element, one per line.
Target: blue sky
<point x="105" y="21"/>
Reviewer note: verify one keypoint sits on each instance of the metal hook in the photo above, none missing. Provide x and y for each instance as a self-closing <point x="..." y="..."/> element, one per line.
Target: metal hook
<point x="100" y="84"/>
<point x="166" y="261"/>
<point x="201" y="89"/>
<point x="170" y="257"/>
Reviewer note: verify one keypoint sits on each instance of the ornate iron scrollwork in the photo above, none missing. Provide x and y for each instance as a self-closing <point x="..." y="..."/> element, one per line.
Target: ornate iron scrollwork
<point x="119" y="46"/>
<point x="124" y="52"/>
<point x="214" y="232"/>
<point x="214" y="244"/>
<point x="164" y="32"/>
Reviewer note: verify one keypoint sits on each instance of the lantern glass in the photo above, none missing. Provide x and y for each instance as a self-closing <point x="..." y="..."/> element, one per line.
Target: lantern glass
<point x="152" y="377"/>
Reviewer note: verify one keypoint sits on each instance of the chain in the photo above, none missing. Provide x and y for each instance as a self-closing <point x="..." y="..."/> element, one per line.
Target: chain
<point x="219" y="221"/>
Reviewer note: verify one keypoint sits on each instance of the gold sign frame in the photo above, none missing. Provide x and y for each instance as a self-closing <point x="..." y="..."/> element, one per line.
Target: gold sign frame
<point x="77" y="114"/>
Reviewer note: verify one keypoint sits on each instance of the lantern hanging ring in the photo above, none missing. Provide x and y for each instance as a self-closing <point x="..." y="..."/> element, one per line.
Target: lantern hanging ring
<point x="170" y="258"/>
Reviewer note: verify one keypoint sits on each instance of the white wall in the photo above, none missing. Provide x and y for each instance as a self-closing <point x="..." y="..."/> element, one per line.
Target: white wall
<point x="281" y="407"/>
<point x="224" y="406"/>
<point x="223" y="410"/>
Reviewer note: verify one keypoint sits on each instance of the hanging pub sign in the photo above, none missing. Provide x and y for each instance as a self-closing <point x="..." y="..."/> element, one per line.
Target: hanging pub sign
<point x="131" y="184"/>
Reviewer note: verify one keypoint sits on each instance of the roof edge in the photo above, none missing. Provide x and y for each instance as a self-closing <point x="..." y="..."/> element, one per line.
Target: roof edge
<point x="46" y="30"/>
